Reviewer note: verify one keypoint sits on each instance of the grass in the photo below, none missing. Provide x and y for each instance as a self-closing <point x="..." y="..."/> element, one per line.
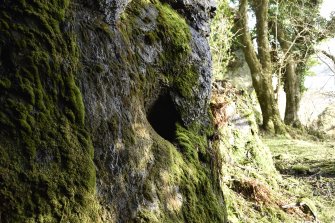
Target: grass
<point x="308" y="169"/>
<point x="270" y="179"/>
<point x="250" y="182"/>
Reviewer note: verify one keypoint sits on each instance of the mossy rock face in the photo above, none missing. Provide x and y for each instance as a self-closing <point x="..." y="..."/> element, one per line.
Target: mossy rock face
<point x="78" y="83"/>
<point x="150" y="55"/>
<point x="248" y="173"/>
<point x="47" y="171"/>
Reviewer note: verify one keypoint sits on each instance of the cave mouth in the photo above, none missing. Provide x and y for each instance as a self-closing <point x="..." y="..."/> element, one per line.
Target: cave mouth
<point x="163" y="117"/>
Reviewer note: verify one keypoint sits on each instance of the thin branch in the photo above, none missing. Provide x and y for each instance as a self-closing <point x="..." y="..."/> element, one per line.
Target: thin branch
<point x="330" y="56"/>
<point x="325" y="62"/>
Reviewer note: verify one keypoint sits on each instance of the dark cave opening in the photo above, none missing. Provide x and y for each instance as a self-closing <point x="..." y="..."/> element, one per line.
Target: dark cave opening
<point x="163" y="117"/>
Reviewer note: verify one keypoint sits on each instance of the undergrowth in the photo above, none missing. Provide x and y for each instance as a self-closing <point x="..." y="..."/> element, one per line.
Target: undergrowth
<point x="253" y="187"/>
<point x="309" y="172"/>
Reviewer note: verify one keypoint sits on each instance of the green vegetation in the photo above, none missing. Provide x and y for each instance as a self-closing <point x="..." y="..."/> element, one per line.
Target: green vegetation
<point x="204" y="174"/>
<point x="173" y="33"/>
<point x="299" y="182"/>
<point x="308" y="169"/>
<point x="250" y="183"/>
<point x="221" y="39"/>
<point x="180" y="182"/>
<point x="173" y="29"/>
<point x="46" y="169"/>
<point x="181" y="177"/>
<point x="291" y="183"/>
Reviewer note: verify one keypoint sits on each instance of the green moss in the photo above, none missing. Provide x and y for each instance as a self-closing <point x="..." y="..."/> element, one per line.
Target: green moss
<point x="70" y="115"/>
<point x="76" y="100"/>
<point x="147" y="216"/>
<point x="98" y="68"/>
<point x="190" y="165"/>
<point x="4" y="24"/>
<point x="191" y="143"/>
<point x="203" y="199"/>
<point x="151" y="38"/>
<point x="104" y="27"/>
<point x="174" y="29"/>
<point x="300" y="169"/>
<point x="46" y="162"/>
<point x="177" y="36"/>
<point x="174" y="34"/>
<point x="186" y="82"/>
<point x="5" y="83"/>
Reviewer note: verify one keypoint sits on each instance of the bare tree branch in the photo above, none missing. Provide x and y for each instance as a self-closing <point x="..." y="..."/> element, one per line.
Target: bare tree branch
<point x="325" y="62"/>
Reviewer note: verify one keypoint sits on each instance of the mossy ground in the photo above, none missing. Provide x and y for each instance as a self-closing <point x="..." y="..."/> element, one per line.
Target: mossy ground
<point x="257" y="182"/>
<point x="308" y="169"/>
<point x="244" y="165"/>
<point x="305" y="174"/>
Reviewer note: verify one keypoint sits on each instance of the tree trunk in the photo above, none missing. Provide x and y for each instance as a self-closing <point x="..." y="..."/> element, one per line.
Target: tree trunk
<point x="291" y="80"/>
<point x="292" y="90"/>
<point x="260" y="67"/>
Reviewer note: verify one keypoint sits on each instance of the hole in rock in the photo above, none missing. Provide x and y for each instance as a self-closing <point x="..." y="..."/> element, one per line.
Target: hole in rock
<point x="163" y="117"/>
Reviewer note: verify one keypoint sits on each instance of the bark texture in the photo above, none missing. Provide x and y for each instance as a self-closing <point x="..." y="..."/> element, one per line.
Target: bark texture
<point x="260" y="65"/>
<point x="291" y="80"/>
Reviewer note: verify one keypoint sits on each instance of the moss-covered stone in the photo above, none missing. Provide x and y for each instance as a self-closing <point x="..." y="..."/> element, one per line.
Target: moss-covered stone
<point x="173" y="33"/>
<point x="204" y="198"/>
<point x="182" y="180"/>
<point x="47" y="172"/>
<point x="47" y="151"/>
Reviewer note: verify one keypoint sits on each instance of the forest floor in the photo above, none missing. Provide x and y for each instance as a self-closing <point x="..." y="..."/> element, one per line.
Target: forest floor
<point x="308" y="170"/>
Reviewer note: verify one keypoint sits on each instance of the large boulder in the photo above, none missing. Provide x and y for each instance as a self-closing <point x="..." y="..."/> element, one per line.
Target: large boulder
<point x="326" y="121"/>
<point x="104" y="112"/>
